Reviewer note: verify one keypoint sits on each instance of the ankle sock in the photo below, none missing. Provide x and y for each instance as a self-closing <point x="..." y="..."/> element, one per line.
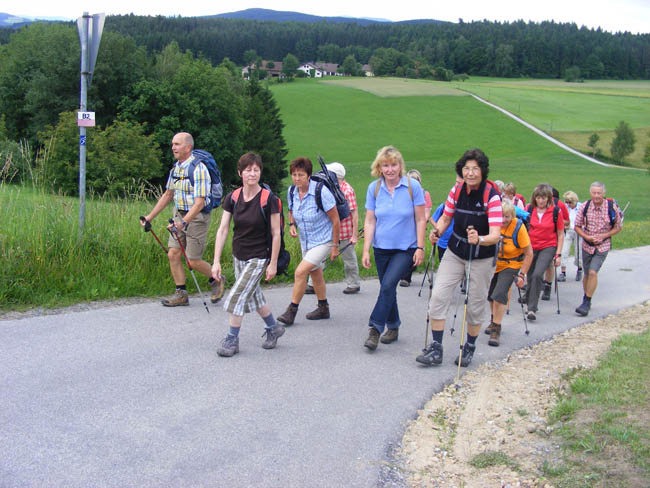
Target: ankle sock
<point x="181" y="287"/>
<point x="471" y="339"/>
<point x="322" y="302"/>
<point x="294" y="305"/>
<point x="587" y="299"/>
<point x="269" y="320"/>
<point x="437" y="335"/>
<point x="234" y="331"/>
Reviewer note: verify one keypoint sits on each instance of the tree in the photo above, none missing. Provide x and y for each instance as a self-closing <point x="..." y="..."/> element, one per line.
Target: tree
<point x="646" y="154"/>
<point x="197" y="98"/>
<point x="503" y="60"/>
<point x="250" y="56"/>
<point x="120" y="157"/>
<point x="350" y="66"/>
<point x="290" y="65"/>
<point x="593" y="142"/>
<point x="572" y="74"/>
<point x="264" y="133"/>
<point x="623" y="143"/>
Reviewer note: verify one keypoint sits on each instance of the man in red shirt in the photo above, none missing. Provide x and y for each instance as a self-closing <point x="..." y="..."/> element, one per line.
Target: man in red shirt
<point x="596" y="227"/>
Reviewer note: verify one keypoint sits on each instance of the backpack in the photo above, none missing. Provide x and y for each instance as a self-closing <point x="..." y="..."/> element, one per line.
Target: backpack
<point x="378" y="186"/>
<point x="327" y="178"/>
<point x="610" y="211"/>
<point x="284" y="258"/>
<point x="213" y="200"/>
<point x="486" y="193"/>
<point x="515" y="234"/>
<point x="514" y="238"/>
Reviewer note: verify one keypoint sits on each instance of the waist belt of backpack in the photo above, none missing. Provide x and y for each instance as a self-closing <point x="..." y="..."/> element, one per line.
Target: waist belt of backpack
<point x="518" y="258"/>
<point x="471" y="212"/>
<point x="462" y="239"/>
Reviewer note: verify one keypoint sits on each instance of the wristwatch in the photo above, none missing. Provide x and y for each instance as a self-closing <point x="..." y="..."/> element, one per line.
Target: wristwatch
<point x="420" y="248"/>
<point x="481" y="240"/>
<point x="184" y="224"/>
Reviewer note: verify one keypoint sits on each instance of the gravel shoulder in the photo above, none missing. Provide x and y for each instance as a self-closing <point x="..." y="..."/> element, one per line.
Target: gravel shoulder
<point x="502" y="406"/>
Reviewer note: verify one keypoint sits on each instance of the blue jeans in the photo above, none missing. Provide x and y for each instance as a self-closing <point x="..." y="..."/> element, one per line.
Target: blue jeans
<point x="391" y="266"/>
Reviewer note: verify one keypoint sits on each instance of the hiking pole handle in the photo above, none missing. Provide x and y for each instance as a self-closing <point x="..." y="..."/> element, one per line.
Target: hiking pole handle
<point x="146" y="223"/>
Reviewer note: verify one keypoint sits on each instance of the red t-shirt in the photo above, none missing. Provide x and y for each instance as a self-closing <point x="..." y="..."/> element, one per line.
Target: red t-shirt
<point x="542" y="232"/>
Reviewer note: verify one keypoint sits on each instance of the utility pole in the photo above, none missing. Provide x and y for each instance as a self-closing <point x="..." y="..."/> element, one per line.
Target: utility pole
<point x="90" y="33"/>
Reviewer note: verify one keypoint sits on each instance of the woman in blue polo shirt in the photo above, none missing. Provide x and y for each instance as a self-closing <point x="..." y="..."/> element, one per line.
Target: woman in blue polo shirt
<point x="395" y="225"/>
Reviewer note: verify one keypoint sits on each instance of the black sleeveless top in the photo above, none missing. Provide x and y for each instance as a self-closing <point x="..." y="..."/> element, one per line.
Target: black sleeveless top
<point x="471" y="210"/>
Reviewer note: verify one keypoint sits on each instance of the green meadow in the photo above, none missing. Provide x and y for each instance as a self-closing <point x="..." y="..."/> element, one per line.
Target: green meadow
<point x="348" y="120"/>
<point x="571" y="112"/>
<point x="344" y="122"/>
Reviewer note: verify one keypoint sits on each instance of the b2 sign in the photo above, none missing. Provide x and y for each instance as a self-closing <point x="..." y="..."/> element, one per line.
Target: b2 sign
<point x="86" y="119"/>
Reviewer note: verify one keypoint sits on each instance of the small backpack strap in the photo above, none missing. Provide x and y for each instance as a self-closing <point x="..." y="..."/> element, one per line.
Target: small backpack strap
<point x="377" y="187"/>
<point x="236" y="193"/>
<point x="410" y="188"/>
<point x="457" y="188"/>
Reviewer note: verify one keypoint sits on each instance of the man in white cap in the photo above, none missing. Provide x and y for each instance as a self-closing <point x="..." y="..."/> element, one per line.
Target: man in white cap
<point x="349" y="234"/>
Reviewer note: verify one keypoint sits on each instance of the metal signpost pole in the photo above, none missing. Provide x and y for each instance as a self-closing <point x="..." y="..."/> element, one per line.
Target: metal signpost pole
<point x="82" y="23"/>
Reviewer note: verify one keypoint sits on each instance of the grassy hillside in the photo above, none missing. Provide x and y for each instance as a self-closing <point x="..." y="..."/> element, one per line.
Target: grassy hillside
<point x="350" y="125"/>
<point x="572" y="111"/>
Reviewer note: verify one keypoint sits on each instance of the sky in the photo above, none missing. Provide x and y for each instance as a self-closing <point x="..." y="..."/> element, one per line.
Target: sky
<point x="610" y="15"/>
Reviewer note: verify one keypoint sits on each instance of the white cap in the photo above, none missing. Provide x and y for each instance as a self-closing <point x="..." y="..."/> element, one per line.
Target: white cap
<point x="338" y="169"/>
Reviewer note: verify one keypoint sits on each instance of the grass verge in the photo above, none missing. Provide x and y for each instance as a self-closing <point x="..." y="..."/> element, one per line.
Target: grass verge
<point x="603" y="423"/>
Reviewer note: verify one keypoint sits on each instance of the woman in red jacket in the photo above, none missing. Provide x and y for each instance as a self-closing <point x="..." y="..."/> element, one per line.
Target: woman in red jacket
<point x="546" y="233"/>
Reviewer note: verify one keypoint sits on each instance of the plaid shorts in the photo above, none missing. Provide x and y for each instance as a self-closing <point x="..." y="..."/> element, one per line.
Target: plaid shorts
<point x="246" y="295"/>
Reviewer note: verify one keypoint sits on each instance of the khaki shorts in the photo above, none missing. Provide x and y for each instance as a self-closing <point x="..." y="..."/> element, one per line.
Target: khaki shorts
<point x="316" y="255"/>
<point x="194" y="237"/>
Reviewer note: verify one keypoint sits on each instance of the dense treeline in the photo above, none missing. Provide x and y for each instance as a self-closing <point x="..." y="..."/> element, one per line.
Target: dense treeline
<point x="514" y="49"/>
<point x="141" y="99"/>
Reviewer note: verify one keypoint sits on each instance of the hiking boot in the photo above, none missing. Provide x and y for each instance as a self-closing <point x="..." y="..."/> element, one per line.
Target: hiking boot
<point x="561" y="277"/>
<point x="178" y="299"/>
<point x="495" y="334"/>
<point x="404" y="283"/>
<point x="389" y="336"/>
<point x="373" y="338"/>
<point x="531" y="315"/>
<point x="321" y="312"/>
<point x="309" y="290"/>
<point x="351" y="290"/>
<point x="432" y="354"/>
<point x="289" y="315"/>
<point x="488" y="329"/>
<point x="546" y="294"/>
<point x="216" y="288"/>
<point x="272" y="335"/>
<point x="583" y="309"/>
<point x="579" y="274"/>
<point x="229" y="346"/>
<point x="468" y="354"/>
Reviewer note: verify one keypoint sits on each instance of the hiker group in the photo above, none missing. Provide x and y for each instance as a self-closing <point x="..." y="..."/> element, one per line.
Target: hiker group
<point x="487" y="239"/>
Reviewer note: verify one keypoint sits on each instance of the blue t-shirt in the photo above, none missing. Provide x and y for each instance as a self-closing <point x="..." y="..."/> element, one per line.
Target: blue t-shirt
<point x="444" y="240"/>
<point x="314" y="226"/>
<point x="395" y="214"/>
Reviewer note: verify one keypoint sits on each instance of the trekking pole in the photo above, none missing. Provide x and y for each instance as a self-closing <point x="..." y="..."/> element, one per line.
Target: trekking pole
<point x="557" y="295"/>
<point x="426" y="272"/>
<point x="508" y="309"/>
<point x="147" y="228"/>
<point x="174" y="233"/>
<point x="426" y="330"/>
<point x="462" y="330"/>
<point x="327" y="261"/>
<point x="522" y="310"/>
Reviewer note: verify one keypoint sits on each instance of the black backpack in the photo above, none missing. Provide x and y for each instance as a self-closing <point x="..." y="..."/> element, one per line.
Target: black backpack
<point x="327" y="178"/>
<point x="284" y="258"/>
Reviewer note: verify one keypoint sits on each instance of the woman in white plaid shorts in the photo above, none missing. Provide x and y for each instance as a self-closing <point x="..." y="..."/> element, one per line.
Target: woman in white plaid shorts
<point x="254" y="255"/>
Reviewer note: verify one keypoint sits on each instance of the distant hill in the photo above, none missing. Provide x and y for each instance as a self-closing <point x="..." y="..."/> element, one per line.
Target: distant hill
<point x="15" y="21"/>
<point x="281" y="16"/>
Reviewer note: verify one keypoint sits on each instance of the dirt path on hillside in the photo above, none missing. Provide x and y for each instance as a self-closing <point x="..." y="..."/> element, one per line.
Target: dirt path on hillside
<point x="503" y="407"/>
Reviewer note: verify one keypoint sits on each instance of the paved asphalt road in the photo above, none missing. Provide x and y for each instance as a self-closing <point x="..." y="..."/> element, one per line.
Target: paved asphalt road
<point x="136" y="396"/>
